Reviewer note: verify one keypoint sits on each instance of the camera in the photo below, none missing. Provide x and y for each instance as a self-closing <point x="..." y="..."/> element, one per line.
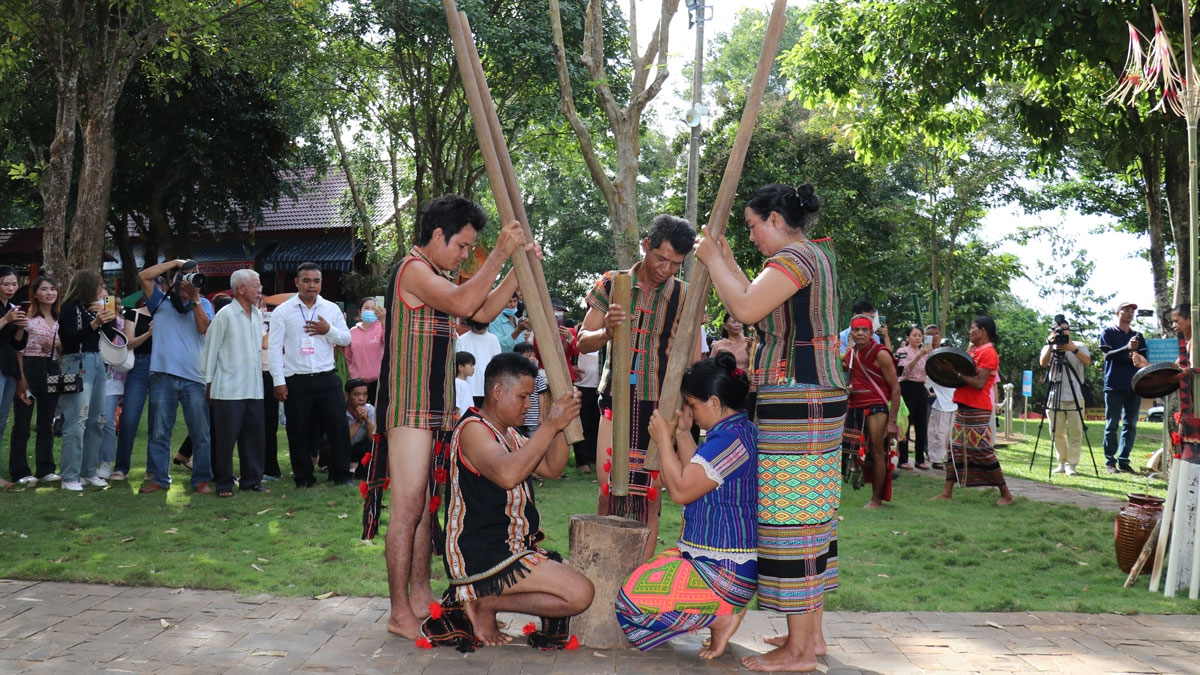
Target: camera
<point x="189" y="274"/>
<point x="1060" y="334"/>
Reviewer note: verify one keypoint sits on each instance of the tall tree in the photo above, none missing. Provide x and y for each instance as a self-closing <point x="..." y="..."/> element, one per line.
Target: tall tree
<point x="90" y="49"/>
<point x="903" y="63"/>
<point x="647" y="73"/>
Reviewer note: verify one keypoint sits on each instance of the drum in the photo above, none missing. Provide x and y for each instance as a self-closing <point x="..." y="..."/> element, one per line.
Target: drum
<point x="945" y="364"/>
<point x="1157" y="380"/>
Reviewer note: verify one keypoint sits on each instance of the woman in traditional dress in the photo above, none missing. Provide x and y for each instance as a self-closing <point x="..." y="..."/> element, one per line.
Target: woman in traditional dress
<point x="912" y="357"/>
<point x="973" y="462"/>
<point x="801" y="406"/>
<point x="708" y="579"/>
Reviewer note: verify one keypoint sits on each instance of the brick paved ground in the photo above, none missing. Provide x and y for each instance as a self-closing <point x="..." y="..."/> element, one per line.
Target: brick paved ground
<point x="49" y="627"/>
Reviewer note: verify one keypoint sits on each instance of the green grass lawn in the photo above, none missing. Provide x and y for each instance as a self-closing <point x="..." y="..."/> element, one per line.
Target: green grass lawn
<point x="967" y="555"/>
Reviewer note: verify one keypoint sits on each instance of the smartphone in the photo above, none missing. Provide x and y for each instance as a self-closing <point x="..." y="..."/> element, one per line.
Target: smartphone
<point x="110" y="303"/>
<point x="25" y="306"/>
<point x="928" y="339"/>
<point x="882" y="320"/>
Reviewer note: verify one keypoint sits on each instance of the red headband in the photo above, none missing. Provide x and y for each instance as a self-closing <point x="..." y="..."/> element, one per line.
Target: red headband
<point x="861" y="322"/>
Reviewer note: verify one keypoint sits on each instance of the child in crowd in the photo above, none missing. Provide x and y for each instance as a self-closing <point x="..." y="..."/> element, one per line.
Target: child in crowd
<point x="540" y="389"/>
<point x="464" y="367"/>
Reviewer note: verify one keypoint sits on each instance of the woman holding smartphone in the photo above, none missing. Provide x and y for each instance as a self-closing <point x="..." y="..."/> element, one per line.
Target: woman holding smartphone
<point x="12" y="340"/>
<point x="37" y="360"/>
<point x="82" y="318"/>
<point x="912" y="357"/>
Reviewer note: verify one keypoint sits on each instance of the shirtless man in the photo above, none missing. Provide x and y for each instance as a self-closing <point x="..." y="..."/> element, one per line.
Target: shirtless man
<point x="492" y="523"/>
<point x="416" y="393"/>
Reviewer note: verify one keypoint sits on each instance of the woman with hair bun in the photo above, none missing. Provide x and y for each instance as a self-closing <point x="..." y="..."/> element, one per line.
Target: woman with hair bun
<point x="707" y="580"/>
<point x="973" y="461"/>
<point x="801" y="407"/>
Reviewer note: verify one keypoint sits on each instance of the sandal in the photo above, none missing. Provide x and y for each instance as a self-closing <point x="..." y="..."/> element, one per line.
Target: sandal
<point x="905" y="467"/>
<point x="923" y="466"/>
<point x="224" y="493"/>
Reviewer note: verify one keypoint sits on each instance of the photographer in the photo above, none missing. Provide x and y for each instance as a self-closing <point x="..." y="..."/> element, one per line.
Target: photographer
<point x="1066" y="422"/>
<point x="1121" y="405"/>
<point x="181" y="318"/>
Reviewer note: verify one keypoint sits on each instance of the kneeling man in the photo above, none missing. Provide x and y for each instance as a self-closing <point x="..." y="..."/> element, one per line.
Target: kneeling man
<point x="492" y="524"/>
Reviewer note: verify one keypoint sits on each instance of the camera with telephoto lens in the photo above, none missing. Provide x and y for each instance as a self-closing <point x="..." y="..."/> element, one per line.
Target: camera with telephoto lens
<point x="189" y="274"/>
<point x="1060" y="334"/>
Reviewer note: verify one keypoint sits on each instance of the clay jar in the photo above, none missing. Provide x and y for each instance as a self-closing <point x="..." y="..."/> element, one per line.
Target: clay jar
<point x="1134" y="523"/>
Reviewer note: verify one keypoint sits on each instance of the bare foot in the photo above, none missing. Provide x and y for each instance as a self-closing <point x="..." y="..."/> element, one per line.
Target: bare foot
<point x="420" y="603"/>
<point x="1005" y="501"/>
<point x="486" y="628"/>
<point x="941" y="498"/>
<point x="778" y="659"/>
<point x="404" y="624"/>
<point x="873" y="504"/>
<point x="719" y="633"/>
<point x="780" y="640"/>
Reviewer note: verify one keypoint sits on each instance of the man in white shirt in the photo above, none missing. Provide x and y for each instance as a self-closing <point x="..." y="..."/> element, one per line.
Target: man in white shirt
<point x="483" y="345"/>
<point x="235" y="390"/>
<point x="304" y="331"/>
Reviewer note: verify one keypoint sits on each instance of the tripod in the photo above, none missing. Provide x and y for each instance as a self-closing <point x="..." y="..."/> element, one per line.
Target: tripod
<point x="1059" y="365"/>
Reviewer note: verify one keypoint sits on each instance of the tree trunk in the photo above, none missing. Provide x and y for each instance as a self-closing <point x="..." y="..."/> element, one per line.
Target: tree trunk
<point x="1174" y="153"/>
<point x="95" y="181"/>
<point x="1152" y="163"/>
<point x="55" y="185"/>
<point x="364" y="218"/>
<point x="623" y="208"/>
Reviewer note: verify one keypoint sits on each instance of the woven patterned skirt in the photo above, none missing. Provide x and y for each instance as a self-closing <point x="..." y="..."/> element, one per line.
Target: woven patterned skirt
<point x="672" y="595"/>
<point x="973" y="461"/>
<point x="799" y="491"/>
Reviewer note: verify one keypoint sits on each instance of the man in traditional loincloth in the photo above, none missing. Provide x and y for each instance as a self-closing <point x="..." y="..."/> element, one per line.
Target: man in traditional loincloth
<point x="492" y="523"/>
<point x="658" y="296"/>
<point x="416" y="397"/>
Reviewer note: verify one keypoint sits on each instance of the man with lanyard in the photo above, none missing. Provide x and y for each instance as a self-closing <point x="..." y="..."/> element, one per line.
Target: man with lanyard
<point x="1121" y="404"/>
<point x="658" y="297"/>
<point x="304" y="331"/>
<point x="181" y="319"/>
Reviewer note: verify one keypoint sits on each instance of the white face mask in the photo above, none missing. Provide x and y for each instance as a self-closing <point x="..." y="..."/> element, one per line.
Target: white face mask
<point x="559" y="315"/>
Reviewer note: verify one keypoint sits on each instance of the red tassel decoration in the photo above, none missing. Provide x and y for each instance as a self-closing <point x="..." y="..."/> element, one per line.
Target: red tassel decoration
<point x="653" y="474"/>
<point x="608" y="414"/>
<point x="573" y="643"/>
<point x="529" y="628"/>
<point x="366" y="458"/>
<point x="387" y="483"/>
<point x="608" y="466"/>
<point x="440" y="475"/>
<point x="362" y="489"/>
<point x="604" y="489"/>
<point x="609" y="452"/>
<point x="1175" y="438"/>
<point x="434" y="502"/>
<point x="424" y="644"/>
<point x="652" y="494"/>
<point x="435" y="610"/>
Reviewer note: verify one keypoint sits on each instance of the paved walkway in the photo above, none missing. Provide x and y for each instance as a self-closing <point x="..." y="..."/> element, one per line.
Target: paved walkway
<point x="50" y="627"/>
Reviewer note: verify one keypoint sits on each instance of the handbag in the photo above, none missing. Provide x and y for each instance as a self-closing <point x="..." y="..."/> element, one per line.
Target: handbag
<point x="63" y="383"/>
<point x="120" y="357"/>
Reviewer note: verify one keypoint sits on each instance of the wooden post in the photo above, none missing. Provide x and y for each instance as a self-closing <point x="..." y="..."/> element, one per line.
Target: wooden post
<point x="606" y="550"/>
<point x="1160" y="555"/>
<point x="622" y="356"/>
<point x="530" y="278"/>
<point x="683" y="343"/>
